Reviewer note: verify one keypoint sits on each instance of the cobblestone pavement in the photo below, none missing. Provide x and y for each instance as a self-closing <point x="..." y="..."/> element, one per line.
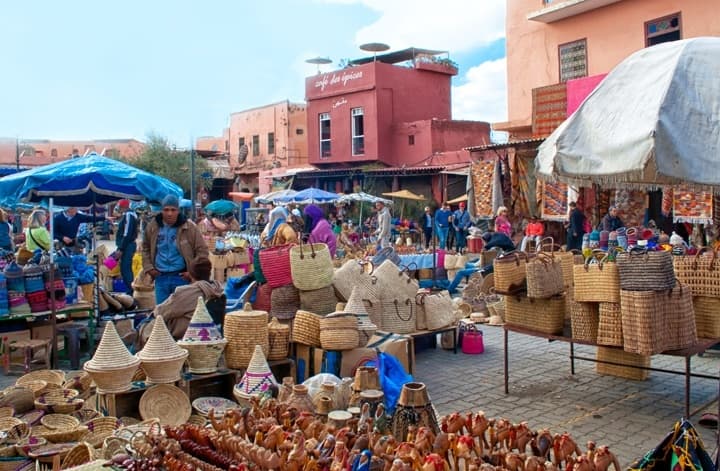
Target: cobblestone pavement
<point x="631" y="417"/>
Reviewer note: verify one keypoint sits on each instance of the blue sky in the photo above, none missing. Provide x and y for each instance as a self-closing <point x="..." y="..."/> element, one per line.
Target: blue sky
<point x="88" y="69"/>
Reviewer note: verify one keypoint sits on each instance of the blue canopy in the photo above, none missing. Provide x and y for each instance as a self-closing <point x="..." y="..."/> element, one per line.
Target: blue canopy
<point x="310" y="195"/>
<point x="221" y="207"/>
<point x="274" y="196"/>
<point x="86" y="180"/>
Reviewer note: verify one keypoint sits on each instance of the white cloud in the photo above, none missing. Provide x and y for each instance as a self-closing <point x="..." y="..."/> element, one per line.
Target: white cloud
<point x="483" y="96"/>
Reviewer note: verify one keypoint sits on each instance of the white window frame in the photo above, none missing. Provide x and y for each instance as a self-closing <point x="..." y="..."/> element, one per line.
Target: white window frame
<point x="325" y="117"/>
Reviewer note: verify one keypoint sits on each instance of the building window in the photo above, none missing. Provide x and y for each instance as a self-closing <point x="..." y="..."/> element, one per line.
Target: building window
<point x="358" y="131"/>
<point x="299" y="131"/>
<point x="256" y="145"/>
<point x="411" y="140"/>
<point x="573" y="60"/>
<point x="663" y="30"/>
<point x="241" y="143"/>
<point x="325" y="150"/>
<point x="271" y="143"/>
<point x="53" y="153"/>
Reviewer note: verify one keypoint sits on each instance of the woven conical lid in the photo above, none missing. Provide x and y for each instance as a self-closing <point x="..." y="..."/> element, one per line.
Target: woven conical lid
<point x="248" y="310"/>
<point x="111" y="353"/>
<point x="275" y="325"/>
<point x="161" y="346"/>
<point x="202" y="328"/>
<point x="257" y="377"/>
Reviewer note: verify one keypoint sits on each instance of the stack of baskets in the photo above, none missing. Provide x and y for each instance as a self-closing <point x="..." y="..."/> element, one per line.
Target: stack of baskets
<point x="244" y="330"/>
<point x="112" y="367"/>
<point x="701" y="272"/>
<point x="312" y="273"/>
<point x="306" y="328"/>
<point x="162" y="359"/>
<point x="203" y="341"/>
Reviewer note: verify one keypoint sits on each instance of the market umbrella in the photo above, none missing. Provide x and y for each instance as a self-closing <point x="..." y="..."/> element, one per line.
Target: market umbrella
<point x="652" y="121"/>
<point x="274" y="196"/>
<point x="82" y="182"/>
<point x="241" y="195"/>
<point x="309" y="196"/>
<point x="405" y="195"/>
<point x="459" y="199"/>
<point x="361" y="198"/>
<point x="221" y="207"/>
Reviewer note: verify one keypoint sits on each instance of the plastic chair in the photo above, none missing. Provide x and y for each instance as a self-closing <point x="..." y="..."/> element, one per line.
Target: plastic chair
<point x="235" y="304"/>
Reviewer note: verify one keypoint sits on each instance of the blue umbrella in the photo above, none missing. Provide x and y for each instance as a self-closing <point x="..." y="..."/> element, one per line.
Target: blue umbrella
<point x="221" y="207"/>
<point x="85" y="181"/>
<point x="311" y="195"/>
<point x="274" y="196"/>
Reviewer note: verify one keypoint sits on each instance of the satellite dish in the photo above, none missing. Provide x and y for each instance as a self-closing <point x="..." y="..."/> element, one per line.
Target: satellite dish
<point x="374" y="48"/>
<point x="318" y="61"/>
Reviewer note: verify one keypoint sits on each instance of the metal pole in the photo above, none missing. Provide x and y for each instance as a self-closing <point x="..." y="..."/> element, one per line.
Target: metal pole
<point x="192" y="182"/>
<point x="17" y="154"/>
<point x="53" y="308"/>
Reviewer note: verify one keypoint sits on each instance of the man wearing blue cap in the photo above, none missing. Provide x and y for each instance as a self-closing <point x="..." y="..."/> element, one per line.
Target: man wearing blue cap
<point x="170" y="243"/>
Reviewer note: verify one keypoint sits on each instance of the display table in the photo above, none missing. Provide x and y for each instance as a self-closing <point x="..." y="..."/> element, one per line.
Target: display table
<point x="701" y="346"/>
<point x="424" y="260"/>
<point x="429" y="333"/>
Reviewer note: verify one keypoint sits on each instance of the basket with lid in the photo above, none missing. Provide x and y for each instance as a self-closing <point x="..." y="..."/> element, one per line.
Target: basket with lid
<point x="243" y="330"/>
<point x="257" y="378"/>
<point x="339" y="331"/>
<point x="203" y="341"/>
<point x="162" y="358"/>
<point x="112" y="367"/>
<point x="279" y="339"/>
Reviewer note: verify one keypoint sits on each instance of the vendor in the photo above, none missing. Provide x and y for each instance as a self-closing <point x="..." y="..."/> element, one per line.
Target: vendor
<point x="533" y="231"/>
<point x="611" y="221"/>
<point x="278" y="231"/>
<point x="493" y="240"/>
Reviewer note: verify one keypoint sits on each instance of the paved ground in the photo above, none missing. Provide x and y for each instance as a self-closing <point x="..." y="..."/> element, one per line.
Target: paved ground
<point x="631" y="417"/>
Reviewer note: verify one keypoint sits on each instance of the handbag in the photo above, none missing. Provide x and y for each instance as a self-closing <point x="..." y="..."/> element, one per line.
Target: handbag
<point x="311" y="266"/>
<point x="438" y="310"/>
<point x="471" y="342"/>
<point x="275" y="263"/>
<point x="544" y="276"/>
<point x="642" y="270"/>
<point x="700" y="272"/>
<point x="510" y="273"/>
<point x="596" y="281"/>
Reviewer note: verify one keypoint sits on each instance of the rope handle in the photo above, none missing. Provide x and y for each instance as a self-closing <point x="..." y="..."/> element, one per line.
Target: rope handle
<point x="712" y="259"/>
<point x="544" y="243"/>
<point x="514" y="254"/>
<point x="312" y="250"/>
<point x="397" y="310"/>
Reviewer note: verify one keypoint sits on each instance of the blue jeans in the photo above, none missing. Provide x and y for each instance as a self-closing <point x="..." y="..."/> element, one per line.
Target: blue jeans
<point x="442" y="233"/>
<point x="165" y="286"/>
<point x="469" y="269"/>
<point x="126" y="266"/>
<point x="460" y="238"/>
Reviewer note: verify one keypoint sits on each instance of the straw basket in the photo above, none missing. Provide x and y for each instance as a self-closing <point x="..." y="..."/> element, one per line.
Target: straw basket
<point x="21" y="399"/>
<point x="345" y="278"/>
<point x="541" y="315"/>
<point x="59" y="401"/>
<point x="32" y="417"/>
<point x="79" y="454"/>
<point x="596" y="282"/>
<point x="101" y="428"/>
<point x="366" y="329"/>
<point x="257" y="378"/>
<point x="38" y="387"/>
<point x="311" y="267"/>
<point x="544" y="276"/>
<point x="320" y="301"/>
<point x="243" y="330"/>
<point x="112" y="367"/>
<point x="438" y="309"/>
<point x="394" y="282"/>
<point x="399" y="314"/>
<point x="584" y="319"/>
<point x="59" y="436"/>
<point x="707" y="316"/>
<point x="284" y="302"/>
<point x="7" y="411"/>
<point x="86" y="415"/>
<point x="641" y="270"/>
<point x="624" y="363"/>
<point x="701" y="272"/>
<point x="306" y="328"/>
<point x="78" y="380"/>
<point x="162" y="359"/>
<point x="279" y="339"/>
<point x="361" y="301"/>
<point x="339" y="331"/>
<point x="610" y="331"/>
<point x="166" y="403"/>
<point x="203" y="341"/>
<point x="113" y="446"/>
<point x="59" y="421"/>
<point x="49" y="376"/>
<point x="26" y="446"/>
<point x="509" y="272"/>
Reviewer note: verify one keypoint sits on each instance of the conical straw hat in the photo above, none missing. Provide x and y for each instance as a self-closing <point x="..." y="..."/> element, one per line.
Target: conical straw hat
<point x="202" y="328"/>
<point x="161" y="346"/>
<point x="111" y="353"/>
<point x="257" y="377"/>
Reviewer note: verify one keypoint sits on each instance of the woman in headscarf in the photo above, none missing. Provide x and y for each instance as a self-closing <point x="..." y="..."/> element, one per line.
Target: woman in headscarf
<point x="320" y="230"/>
<point x="278" y="231"/>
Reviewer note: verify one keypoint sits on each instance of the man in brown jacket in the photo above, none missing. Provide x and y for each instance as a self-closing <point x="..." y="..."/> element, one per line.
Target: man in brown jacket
<point x="170" y="243"/>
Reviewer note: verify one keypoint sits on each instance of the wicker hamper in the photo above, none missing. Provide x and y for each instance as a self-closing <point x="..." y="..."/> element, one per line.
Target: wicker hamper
<point x="584" y="320"/>
<point x="541" y="315"/>
<point x="707" y="316"/>
<point x="339" y="331"/>
<point x="617" y="355"/>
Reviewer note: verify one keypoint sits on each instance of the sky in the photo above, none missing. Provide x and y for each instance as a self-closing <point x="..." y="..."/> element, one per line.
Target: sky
<point x="88" y="69"/>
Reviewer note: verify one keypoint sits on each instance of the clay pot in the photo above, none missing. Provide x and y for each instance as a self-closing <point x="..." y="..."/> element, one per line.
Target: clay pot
<point x="300" y="399"/>
<point x="327" y="390"/>
<point x="286" y="389"/>
<point x="414" y="395"/>
<point x="366" y="377"/>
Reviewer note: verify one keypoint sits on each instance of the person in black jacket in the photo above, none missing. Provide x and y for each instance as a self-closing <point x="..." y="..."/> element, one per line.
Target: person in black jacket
<point x="126" y="242"/>
<point x="67" y="223"/>
<point x="576" y="228"/>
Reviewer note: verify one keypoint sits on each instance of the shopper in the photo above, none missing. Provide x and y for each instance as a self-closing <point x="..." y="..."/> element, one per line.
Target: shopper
<point x="126" y="242"/>
<point x="36" y="234"/>
<point x="278" y="231"/>
<point x="442" y="225"/>
<point x="384" y="227"/>
<point x="427" y="226"/>
<point x="320" y="230"/>
<point x="502" y="223"/>
<point x="576" y="228"/>
<point x="169" y="244"/>
<point x="461" y="223"/>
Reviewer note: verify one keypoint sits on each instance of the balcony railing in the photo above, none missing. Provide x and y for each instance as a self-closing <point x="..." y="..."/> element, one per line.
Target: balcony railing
<point x="556" y="10"/>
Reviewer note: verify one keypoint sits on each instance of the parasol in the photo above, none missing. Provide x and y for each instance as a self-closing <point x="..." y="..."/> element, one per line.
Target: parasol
<point x="405" y="195"/>
<point x="274" y="196"/>
<point x="310" y="196"/>
<point x="221" y="207"/>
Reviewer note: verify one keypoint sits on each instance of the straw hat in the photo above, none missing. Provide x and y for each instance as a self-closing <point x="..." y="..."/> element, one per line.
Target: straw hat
<point x="496" y="320"/>
<point x="257" y="378"/>
<point x="111" y="353"/>
<point x="202" y="328"/>
<point x="161" y="346"/>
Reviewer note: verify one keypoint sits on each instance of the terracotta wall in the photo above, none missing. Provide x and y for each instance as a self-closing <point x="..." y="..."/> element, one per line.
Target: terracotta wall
<point x="39" y="152"/>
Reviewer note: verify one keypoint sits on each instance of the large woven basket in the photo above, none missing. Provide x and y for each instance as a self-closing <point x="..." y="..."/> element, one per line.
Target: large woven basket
<point x="437" y="308"/>
<point x="169" y="404"/>
<point x="339" y="331"/>
<point x="100" y="428"/>
<point x="112" y="367"/>
<point x="162" y="358"/>
<point x="320" y="301"/>
<point x="701" y="272"/>
<point x="311" y="266"/>
<point x="49" y="376"/>
<point x="399" y="314"/>
<point x="394" y="282"/>
<point x="279" y="340"/>
<point x="263" y="298"/>
<point x="707" y="316"/>
<point x="243" y="330"/>
<point x="284" y="302"/>
<point x="510" y="272"/>
<point x="624" y="363"/>
<point x="79" y="454"/>
<point x="584" y="320"/>
<point x="542" y="315"/>
<point x="306" y="328"/>
<point x="345" y="278"/>
<point x="362" y="301"/>
<point x="641" y="270"/>
<point x="596" y="282"/>
<point x="544" y="276"/>
<point x="610" y="331"/>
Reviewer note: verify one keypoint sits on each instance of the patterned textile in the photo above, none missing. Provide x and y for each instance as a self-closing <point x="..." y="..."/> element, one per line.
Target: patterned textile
<point x="482" y="174"/>
<point x="681" y="450"/>
<point x="524" y="201"/>
<point x="549" y="108"/>
<point x="692" y="206"/>
<point x="554" y="201"/>
<point x="631" y="205"/>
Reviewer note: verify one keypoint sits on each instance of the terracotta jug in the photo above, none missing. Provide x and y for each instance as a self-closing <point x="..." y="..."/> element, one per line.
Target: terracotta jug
<point x="329" y="391"/>
<point x="300" y="399"/>
<point x="286" y="389"/>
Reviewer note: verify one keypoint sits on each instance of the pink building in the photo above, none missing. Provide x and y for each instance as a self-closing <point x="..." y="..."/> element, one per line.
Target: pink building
<point x="551" y="42"/>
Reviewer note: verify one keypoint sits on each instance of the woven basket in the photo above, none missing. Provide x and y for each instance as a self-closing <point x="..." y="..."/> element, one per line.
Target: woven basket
<point x="641" y="270"/>
<point x="311" y="266"/>
<point x="701" y="272"/>
<point x="21" y="399"/>
<point x="399" y="314"/>
<point x="284" y="302"/>
<point x="7" y="411"/>
<point x="26" y="446"/>
<point x="203" y="357"/>
<point x="320" y="301"/>
<point x="112" y="367"/>
<point x="438" y="309"/>
<point x="617" y="355"/>
<point x="541" y="315"/>
<point x="60" y="436"/>
<point x="86" y="415"/>
<point x="346" y="277"/>
<point x="243" y="330"/>
<point x="38" y="387"/>
<point x="596" y="282"/>
<point x="610" y="331"/>
<point x="279" y="340"/>
<point x="79" y="454"/>
<point x="584" y="320"/>
<point x="275" y="262"/>
<point x="510" y="272"/>
<point x="544" y="276"/>
<point x="339" y="331"/>
<point x="59" y="401"/>
<point x="101" y="428"/>
<point x="263" y="298"/>
<point x="114" y="446"/>
<point x="257" y="378"/>
<point x="6" y="423"/>
<point x="707" y="316"/>
<point x="394" y="282"/>
<point x="59" y="421"/>
<point x="203" y="341"/>
<point x="78" y="380"/>
<point x="13" y="463"/>
<point x="198" y="420"/>
<point x="567" y="261"/>
<point x="362" y="301"/>
<point x="32" y="417"/>
<point x="146" y="427"/>
<point x="306" y="328"/>
<point x="166" y="403"/>
<point x="162" y="358"/>
<point x="49" y="376"/>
